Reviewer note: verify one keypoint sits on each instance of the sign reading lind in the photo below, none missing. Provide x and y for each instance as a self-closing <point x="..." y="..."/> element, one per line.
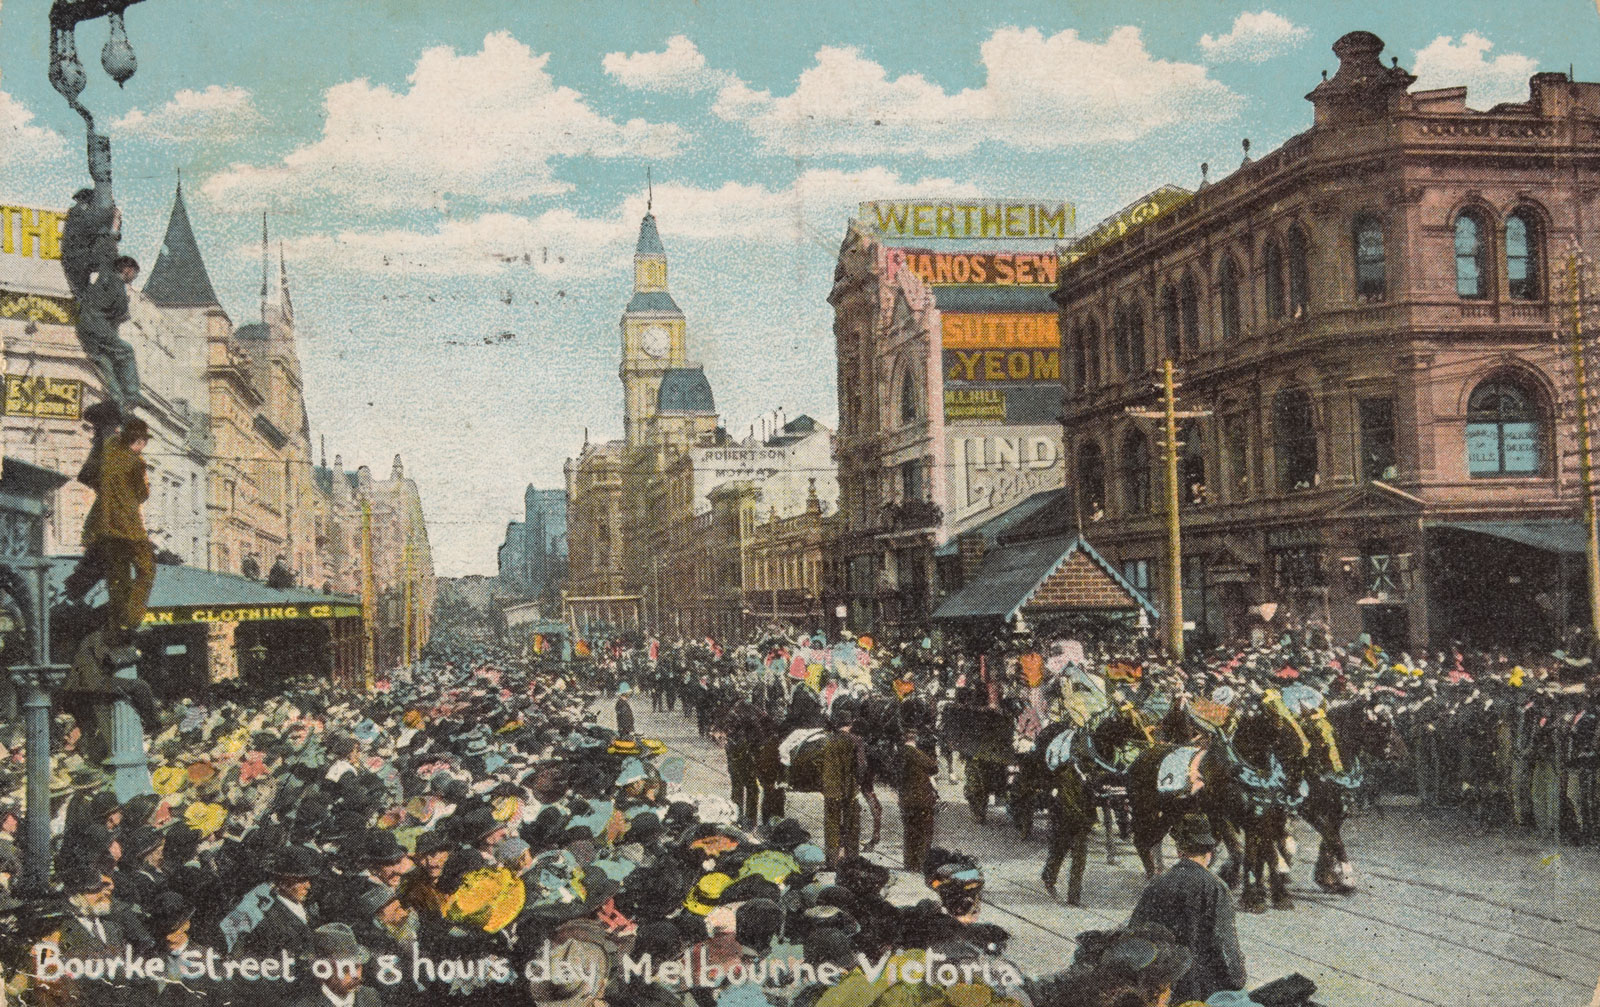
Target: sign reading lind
<point x="968" y="218"/>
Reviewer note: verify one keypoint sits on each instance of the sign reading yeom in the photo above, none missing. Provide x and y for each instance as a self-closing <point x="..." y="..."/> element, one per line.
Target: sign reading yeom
<point x="994" y="468"/>
<point x="968" y="218"/>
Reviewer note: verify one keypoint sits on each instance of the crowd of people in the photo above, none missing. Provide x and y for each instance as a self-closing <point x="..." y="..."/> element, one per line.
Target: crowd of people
<point x="468" y="831"/>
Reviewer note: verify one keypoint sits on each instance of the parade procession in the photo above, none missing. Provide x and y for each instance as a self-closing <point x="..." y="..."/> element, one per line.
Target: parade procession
<point x="1024" y="571"/>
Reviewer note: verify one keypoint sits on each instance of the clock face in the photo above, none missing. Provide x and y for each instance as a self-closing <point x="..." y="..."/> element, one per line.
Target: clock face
<point x="656" y="340"/>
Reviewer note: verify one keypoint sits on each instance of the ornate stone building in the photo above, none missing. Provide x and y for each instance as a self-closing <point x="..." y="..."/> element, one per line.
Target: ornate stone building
<point x="1365" y="314"/>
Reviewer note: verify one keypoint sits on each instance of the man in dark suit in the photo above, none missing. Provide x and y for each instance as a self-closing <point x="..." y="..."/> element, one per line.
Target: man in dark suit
<point x="289" y="921"/>
<point x="841" y="815"/>
<point x="624" y="710"/>
<point x="336" y="944"/>
<point x="1198" y="908"/>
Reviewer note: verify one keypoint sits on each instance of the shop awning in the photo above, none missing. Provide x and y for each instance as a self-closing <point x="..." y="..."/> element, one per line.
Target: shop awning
<point x="1551" y="536"/>
<point x="186" y="595"/>
<point x="1012" y="574"/>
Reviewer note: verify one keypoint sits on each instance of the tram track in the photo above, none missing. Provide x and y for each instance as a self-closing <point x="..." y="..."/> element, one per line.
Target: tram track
<point x="1397" y="919"/>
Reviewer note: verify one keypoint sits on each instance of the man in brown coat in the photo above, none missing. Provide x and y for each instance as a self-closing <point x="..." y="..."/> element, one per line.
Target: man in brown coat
<point x="114" y="528"/>
<point x="918" y="801"/>
<point x="841" y="815"/>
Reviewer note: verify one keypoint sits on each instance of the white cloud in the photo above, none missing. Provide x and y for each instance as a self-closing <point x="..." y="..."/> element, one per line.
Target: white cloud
<point x="484" y="126"/>
<point x="216" y="113"/>
<point x="1446" y="63"/>
<point x="680" y="68"/>
<point x="1039" y="94"/>
<point x="1254" y="38"/>
<point x="22" y="141"/>
<point x="559" y="244"/>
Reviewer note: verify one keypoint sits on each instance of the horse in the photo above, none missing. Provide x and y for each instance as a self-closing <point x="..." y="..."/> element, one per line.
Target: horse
<point x="1102" y="751"/>
<point x="1076" y="767"/>
<point x="1358" y="733"/>
<point x="1241" y="783"/>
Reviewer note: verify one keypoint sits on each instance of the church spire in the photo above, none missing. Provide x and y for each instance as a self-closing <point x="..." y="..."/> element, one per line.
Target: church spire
<point x="266" y="258"/>
<point x="179" y="278"/>
<point x="285" y="309"/>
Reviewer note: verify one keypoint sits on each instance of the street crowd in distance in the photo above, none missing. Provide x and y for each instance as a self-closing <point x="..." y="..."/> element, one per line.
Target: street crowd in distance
<point x="469" y="832"/>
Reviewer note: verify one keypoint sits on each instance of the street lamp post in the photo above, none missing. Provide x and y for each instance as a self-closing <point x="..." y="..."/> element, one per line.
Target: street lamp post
<point x="37" y="681"/>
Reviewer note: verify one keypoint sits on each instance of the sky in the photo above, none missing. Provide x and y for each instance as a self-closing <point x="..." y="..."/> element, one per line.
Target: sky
<point x="458" y="186"/>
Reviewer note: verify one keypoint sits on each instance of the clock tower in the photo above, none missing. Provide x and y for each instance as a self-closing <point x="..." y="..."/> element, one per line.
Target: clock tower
<point x="652" y="334"/>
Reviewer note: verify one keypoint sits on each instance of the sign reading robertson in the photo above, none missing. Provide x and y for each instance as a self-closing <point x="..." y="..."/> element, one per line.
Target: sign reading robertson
<point x="968" y="218"/>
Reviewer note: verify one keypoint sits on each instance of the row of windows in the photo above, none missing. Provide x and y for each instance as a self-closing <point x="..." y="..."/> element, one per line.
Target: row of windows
<point x="1506" y="433"/>
<point x="1287" y="287"/>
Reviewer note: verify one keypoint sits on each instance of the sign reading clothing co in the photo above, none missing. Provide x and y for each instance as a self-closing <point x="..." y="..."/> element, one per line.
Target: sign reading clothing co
<point x="202" y="615"/>
<point x="994" y="468"/>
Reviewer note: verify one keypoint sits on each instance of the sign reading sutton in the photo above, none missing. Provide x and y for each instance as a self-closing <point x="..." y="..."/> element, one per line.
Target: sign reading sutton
<point x="968" y="218"/>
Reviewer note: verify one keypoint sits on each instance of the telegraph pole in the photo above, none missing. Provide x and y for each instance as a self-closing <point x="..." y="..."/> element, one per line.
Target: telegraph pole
<point x="1585" y="446"/>
<point x="1168" y="415"/>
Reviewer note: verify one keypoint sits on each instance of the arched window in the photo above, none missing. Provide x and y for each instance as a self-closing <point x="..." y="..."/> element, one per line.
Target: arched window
<point x="1272" y="260"/>
<point x="1524" y="263"/>
<point x="1228" y="293"/>
<point x="1128" y="332"/>
<point x="1472" y="256"/>
<point x="1136" y="347"/>
<point x="1299" y="274"/>
<point x="1091" y="352"/>
<point x="910" y="396"/>
<point x="1119" y="340"/>
<point x="1505" y="429"/>
<point x="1371" y="281"/>
<point x="1294" y="435"/>
<point x="1171" y="333"/>
<point x="1080" y="361"/>
<point x="1091" y="479"/>
<point x="1135" y="472"/>
<point x="1191" y="465"/>
<point x="1189" y="306"/>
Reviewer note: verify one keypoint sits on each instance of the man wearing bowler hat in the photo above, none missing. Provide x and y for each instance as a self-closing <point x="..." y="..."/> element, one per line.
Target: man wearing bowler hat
<point x="1198" y="908"/>
<point x="337" y="951"/>
<point x="288" y="923"/>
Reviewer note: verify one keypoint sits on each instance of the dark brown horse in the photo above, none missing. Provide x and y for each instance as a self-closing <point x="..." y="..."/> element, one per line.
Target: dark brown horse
<point x="1244" y="785"/>
<point x="1363" y="733"/>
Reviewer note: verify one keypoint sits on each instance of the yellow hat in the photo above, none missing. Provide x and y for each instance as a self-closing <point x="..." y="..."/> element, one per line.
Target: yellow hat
<point x="206" y="819"/>
<point x="706" y="893"/>
<point x="490" y="899"/>
<point x="168" y="780"/>
<point x="507" y="808"/>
